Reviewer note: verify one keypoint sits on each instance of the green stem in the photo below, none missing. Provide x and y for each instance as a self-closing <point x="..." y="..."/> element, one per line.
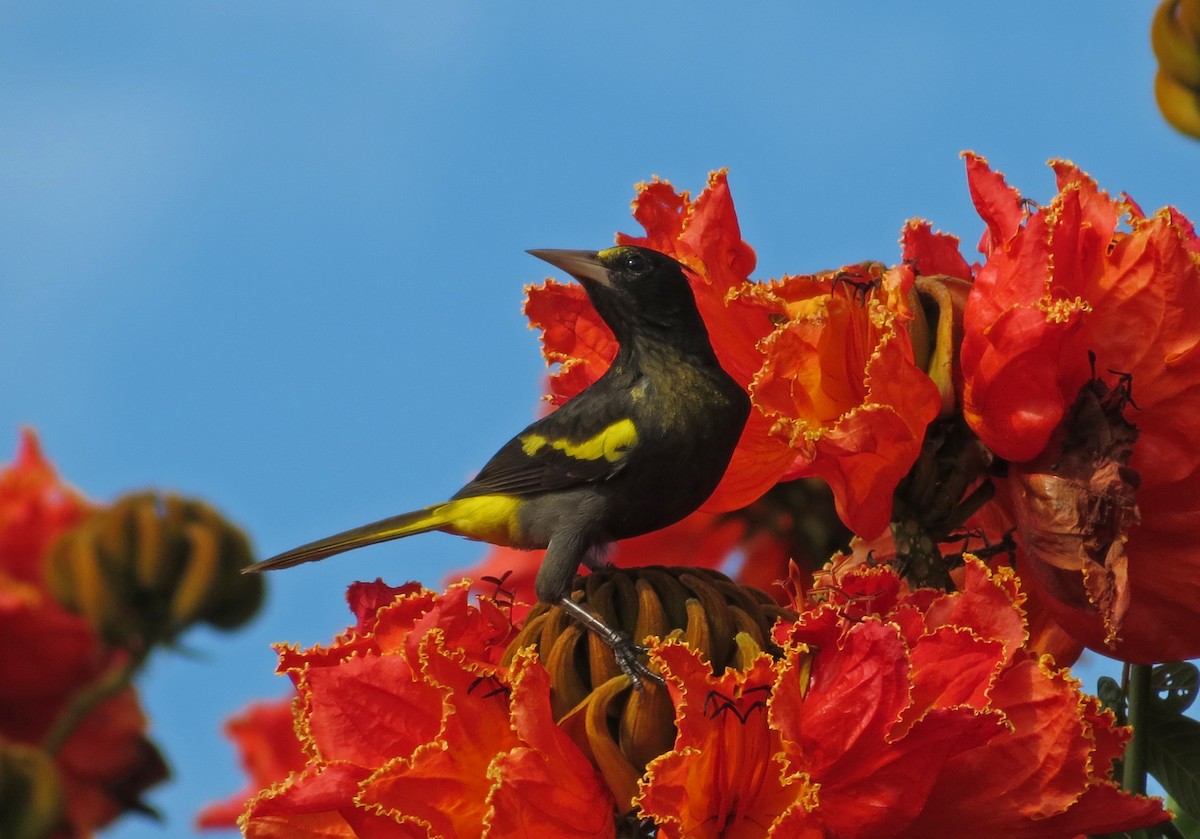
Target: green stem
<point x="1138" y="693"/>
<point x="108" y="685"/>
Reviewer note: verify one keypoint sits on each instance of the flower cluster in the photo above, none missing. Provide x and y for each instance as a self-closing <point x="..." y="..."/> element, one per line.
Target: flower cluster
<point x="49" y="657"/>
<point x="826" y="357"/>
<point x="995" y="455"/>
<point x="86" y="591"/>
<point x="441" y="739"/>
<point x="855" y="373"/>
<point x="880" y="712"/>
<point x="1081" y="367"/>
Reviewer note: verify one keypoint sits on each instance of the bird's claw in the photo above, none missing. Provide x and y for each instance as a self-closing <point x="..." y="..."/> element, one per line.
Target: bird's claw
<point x="627" y="653"/>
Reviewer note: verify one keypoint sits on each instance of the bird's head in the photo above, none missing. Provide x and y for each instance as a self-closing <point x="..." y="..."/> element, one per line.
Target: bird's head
<point x="639" y="292"/>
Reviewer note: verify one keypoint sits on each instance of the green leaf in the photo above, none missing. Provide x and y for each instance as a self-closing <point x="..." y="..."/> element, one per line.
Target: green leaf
<point x="1188" y="827"/>
<point x="1176" y="684"/>
<point x="1174" y="758"/>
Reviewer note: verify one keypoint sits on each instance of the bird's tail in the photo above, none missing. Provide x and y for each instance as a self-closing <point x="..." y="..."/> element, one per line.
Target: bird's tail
<point x="489" y="518"/>
<point x="396" y="527"/>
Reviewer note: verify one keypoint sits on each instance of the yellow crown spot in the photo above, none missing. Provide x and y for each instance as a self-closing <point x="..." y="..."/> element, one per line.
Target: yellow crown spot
<point x="611" y="444"/>
<point x="611" y="253"/>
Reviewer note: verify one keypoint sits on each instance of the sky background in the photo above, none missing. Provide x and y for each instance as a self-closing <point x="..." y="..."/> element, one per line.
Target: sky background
<point x="272" y="253"/>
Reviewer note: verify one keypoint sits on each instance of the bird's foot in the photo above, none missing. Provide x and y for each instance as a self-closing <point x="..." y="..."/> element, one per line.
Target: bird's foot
<point x="626" y="651"/>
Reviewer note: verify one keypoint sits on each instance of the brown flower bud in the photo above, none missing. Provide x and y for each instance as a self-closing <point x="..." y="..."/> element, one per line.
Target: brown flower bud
<point x="619" y="726"/>
<point x="149" y="566"/>
<point x="31" y="793"/>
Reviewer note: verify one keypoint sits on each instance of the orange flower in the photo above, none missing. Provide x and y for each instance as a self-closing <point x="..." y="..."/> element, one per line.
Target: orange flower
<point x="1043" y="634"/>
<point x="720" y="778"/>
<point x="265" y="736"/>
<point x="890" y="713"/>
<point x="921" y="711"/>
<point x="704" y="236"/>
<point x="50" y="655"/>
<point x="827" y="359"/>
<point x="1081" y="364"/>
<point x="410" y="730"/>
<point x="841" y="387"/>
<point x="35" y="509"/>
<point x="1046" y="635"/>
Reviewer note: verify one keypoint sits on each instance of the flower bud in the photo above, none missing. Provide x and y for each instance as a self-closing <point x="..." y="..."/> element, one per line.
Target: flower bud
<point x="31" y="794"/>
<point x="619" y="726"/>
<point x="1175" y="38"/>
<point x="149" y="566"/>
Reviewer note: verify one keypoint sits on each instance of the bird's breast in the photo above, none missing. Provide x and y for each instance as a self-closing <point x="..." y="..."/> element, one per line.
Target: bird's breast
<point x="689" y="422"/>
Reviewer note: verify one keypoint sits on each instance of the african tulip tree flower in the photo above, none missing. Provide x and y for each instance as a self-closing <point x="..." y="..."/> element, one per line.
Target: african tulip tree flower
<point x="827" y="358"/>
<point x="866" y="707"/>
<point x="1037" y="766"/>
<point x="49" y="656"/>
<point x="440" y="741"/>
<point x="1081" y="366"/>
<point x="265" y="737"/>
<point x="881" y="712"/>
<point x="840" y="385"/>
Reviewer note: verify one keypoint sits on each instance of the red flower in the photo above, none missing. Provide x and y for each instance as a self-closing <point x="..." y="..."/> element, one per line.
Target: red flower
<point x="720" y="779"/>
<point x="36" y="507"/>
<point x="704" y="236"/>
<point x="265" y="736"/>
<point x="1081" y="364"/>
<point x="1046" y="635"/>
<point x="890" y="714"/>
<point x="827" y="358"/>
<point x="921" y="711"/>
<point x="410" y="730"/>
<point x="49" y="656"/>
<point x="840" y="385"/>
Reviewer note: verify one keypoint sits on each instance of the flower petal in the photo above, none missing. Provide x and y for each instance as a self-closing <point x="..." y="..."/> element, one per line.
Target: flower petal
<point x="1067" y="299"/>
<point x="720" y="779"/>
<point x="541" y="784"/>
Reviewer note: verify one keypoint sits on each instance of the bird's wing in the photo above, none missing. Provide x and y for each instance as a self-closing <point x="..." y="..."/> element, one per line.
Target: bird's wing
<point x="588" y="440"/>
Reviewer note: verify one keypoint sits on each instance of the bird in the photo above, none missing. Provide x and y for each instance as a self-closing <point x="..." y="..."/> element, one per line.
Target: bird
<point x="639" y="449"/>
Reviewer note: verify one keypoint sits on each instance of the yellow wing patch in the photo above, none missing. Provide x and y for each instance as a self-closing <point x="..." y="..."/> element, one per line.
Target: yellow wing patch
<point x="611" y="444"/>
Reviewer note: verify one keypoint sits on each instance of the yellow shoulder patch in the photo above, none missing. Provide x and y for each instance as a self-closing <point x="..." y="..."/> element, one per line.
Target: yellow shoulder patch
<point x="611" y="444"/>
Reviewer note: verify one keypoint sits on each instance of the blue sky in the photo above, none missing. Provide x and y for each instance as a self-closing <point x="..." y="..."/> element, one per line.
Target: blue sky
<point x="272" y="253"/>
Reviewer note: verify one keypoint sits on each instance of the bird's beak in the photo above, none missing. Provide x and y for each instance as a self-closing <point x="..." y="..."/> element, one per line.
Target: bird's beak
<point x="582" y="265"/>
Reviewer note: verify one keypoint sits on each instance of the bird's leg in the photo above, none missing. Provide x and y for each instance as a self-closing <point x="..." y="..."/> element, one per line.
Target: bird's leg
<point x="596" y="558"/>
<point x="563" y="556"/>
<point x="624" y="649"/>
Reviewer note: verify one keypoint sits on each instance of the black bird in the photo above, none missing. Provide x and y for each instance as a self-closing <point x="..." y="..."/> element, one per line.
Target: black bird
<point x="641" y="448"/>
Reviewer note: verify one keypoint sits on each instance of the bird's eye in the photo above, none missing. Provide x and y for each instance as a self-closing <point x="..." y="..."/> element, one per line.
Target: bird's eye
<point x="635" y="263"/>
